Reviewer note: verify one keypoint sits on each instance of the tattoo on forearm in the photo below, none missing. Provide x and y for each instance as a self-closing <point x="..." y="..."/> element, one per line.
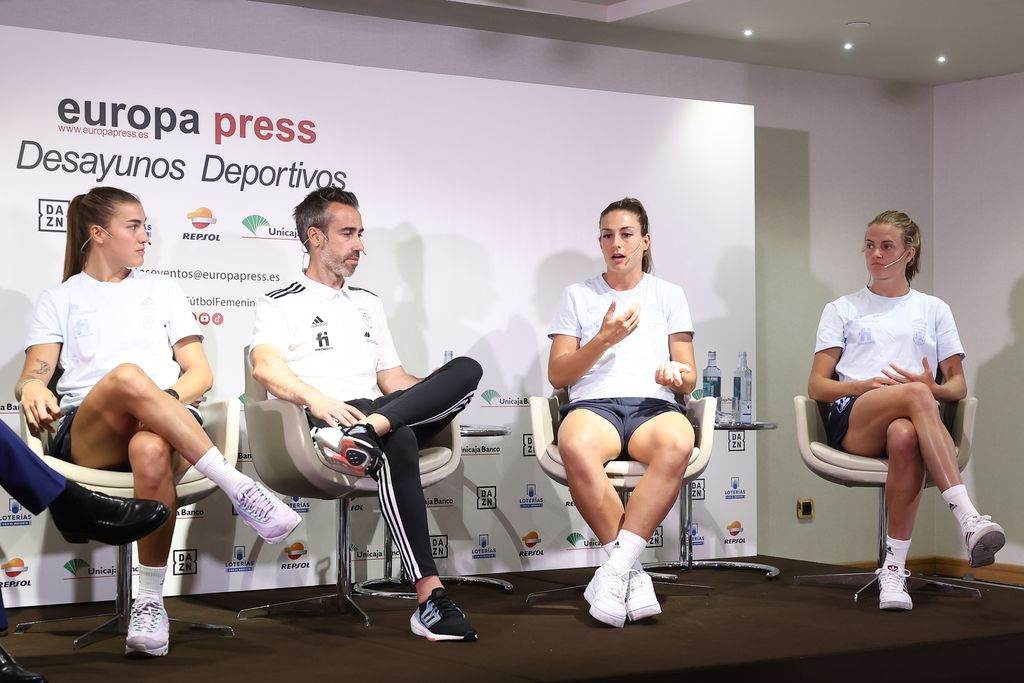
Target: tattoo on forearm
<point x="43" y="368"/>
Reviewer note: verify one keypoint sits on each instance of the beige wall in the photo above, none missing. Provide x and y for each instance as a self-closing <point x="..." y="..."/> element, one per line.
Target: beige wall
<point x="979" y="209"/>
<point x="831" y="152"/>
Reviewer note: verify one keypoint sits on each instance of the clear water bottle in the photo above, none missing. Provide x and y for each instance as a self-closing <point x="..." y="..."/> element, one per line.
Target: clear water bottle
<point x="712" y="378"/>
<point x="447" y="356"/>
<point x="742" y="384"/>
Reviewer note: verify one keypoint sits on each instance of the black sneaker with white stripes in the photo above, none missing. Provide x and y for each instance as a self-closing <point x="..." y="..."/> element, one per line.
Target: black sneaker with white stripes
<point x="441" y="619"/>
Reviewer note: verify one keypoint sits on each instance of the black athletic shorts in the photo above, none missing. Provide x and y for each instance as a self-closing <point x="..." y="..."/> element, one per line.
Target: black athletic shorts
<point x="625" y="414"/>
<point x="60" y="446"/>
<point x="839" y="421"/>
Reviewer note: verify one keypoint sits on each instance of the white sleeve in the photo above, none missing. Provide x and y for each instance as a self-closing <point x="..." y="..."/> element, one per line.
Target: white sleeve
<point x="46" y="323"/>
<point x="387" y="356"/>
<point x="180" y="321"/>
<point x="566" y="320"/>
<point x="947" y="338"/>
<point x="831" y="329"/>
<point x="270" y="326"/>
<point x="678" y="311"/>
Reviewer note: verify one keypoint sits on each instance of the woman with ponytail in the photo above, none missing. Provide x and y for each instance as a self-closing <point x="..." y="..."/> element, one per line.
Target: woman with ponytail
<point x="622" y="342"/>
<point x="133" y="363"/>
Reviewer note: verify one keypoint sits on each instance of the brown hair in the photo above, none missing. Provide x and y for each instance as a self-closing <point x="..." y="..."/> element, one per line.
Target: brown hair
<point x="635" y="207"/>
<point x="911" y="236"/>
<point x="96" y="207"/>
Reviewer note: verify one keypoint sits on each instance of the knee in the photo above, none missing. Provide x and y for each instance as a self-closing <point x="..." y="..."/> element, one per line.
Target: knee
<point x="673" y="457"/>
<point x="469" y="369"/>
<point x="151" y="463"/>
<point x="577" y="454"/>
<point x="919" y="397"/>
<point x="901" y="441"/>
<point x="130" y="380"/>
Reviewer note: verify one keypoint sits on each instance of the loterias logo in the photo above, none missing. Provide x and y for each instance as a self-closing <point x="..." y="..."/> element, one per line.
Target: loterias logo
<point x="484" y="549"/>
<point x="696" y="537"/>
<point x="238" y="561"/>
<point x="17" y="516"/>
<point x="532" y="500"/>
<point x="735" y="490"/>
<point x="119" y="119"/>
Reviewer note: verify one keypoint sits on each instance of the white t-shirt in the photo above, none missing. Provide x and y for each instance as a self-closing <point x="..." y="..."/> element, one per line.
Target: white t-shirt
<point x="104" y="324"/>
<point x="874" y="331"/>
<point x="626" y="370"/>
<point x="335" y="340"/>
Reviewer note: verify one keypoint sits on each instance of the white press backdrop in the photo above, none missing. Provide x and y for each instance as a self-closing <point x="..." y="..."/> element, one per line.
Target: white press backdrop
<point x="480" y="200"/>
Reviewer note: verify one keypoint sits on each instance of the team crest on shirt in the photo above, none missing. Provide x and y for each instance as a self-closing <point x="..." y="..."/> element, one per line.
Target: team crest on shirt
<point x="864" y="336"/>
<point x="367" y="320"/>
<point x="919" y="336"/>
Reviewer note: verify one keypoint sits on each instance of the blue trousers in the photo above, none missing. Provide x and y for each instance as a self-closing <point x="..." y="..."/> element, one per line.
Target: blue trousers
<point x="30" y="481"/>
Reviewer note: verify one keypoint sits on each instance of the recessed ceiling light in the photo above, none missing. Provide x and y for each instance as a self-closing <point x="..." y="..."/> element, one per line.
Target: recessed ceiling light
<point x="848" y="46"/>
<point x="748" y="32"/>
<point x="858" y="24"/>
<point x="941" y="59"/>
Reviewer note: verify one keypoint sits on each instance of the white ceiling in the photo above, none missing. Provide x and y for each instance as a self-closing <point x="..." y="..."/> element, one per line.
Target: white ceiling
<point x="979" y="38"/>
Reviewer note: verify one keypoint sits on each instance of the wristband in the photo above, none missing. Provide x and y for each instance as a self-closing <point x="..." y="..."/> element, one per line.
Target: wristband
<point x="173" y="393"/>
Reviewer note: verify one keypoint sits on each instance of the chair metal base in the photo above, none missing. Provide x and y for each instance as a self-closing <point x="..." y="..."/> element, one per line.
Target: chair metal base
<point x="321" y="604"/>
<point x="368" y="587"/>
<point x="117" y="623"/>
<point x="768" y="570"/>
<point x="915" y="583"/>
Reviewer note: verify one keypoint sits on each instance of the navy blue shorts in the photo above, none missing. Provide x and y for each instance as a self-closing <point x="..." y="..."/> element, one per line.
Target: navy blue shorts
<point x="625" y="414"/>
<point x="60" y="446"/>
<point x="839" y="421"/>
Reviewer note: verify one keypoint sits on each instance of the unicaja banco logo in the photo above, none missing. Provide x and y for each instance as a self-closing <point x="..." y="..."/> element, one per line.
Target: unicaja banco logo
<point x="254" y="222"/>
<point x="495" y="400"/>
<point x="74" y="565"/>
<point x="581" y="542"/>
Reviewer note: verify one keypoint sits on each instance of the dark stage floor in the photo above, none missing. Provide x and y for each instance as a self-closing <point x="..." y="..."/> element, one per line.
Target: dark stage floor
<point x="746" y="626"/>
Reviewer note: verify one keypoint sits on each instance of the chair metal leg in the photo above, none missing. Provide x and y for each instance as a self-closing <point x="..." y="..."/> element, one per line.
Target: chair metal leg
<point x="686" y="561"/>
<point x="914" y="583"/>
<point x="117" y="623"/>
<point x="341" y="600"/>
<point x="369" y="586"/>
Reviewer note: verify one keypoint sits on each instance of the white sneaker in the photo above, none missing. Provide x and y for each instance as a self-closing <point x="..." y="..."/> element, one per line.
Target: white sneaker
<point x="983" y="539"/>
<point x="148" y="629"/>
<point x="892" y="588"/>
<point x="264" y="512"/>
<point x="641" y="602"/>
<point x="591" y="590"/>
<point x="608" y="603"/>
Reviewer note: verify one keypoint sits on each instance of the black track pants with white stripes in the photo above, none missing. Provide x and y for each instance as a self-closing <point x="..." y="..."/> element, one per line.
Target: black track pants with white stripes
<point x="416" y="414"/>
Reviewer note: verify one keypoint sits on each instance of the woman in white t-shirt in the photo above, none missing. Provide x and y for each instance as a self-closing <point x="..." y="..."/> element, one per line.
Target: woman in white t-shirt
<point x="132" y="360"/>
<point x="623" y="344"/>
<point x="875" y="359"/>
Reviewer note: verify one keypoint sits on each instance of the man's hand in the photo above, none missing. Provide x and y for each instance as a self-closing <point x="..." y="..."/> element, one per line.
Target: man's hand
<point x="41" y="407"/>
<point x="900" y="376"/>
<point x="670" y="374"/>
<point x="613" y="330"/>
<point x="335" y="412"/>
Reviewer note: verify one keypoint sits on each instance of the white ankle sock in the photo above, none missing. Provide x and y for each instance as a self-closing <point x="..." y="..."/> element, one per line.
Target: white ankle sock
<point x="959" y="503"/>
<point x="151" y="582"/>
<point x="628" y="553"/>
<point x="216" y="469"/>
<point x="896" y="550"/>
<point x="609" y="548"/>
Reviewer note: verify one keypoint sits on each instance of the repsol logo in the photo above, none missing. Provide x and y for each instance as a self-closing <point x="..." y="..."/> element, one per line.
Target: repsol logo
<point x="730" y="541"/>
<point x="295" y="565"/>
<point x="530" y="553"/>
<point x="201" y="236"/>
<point x="23" y="583"/>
